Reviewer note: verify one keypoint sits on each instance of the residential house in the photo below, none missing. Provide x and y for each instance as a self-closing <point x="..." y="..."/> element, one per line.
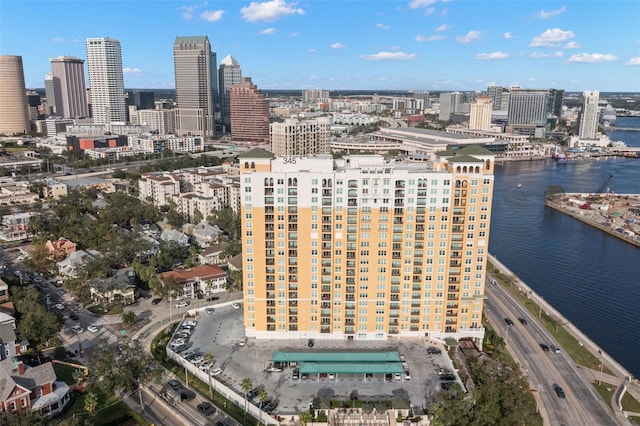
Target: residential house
<point x="235" y="263"/>
<point x="36" y="388"/>
<point x="54" y="189"/>
<point x="9" y="346"/>
<point x="60" y="249"/>
<point x="204" y="280"/>
<point x="15" y="227"/>
<point x="4" y="291"/>
<point x="175" y="236"/>
<point x="206" y="234"/>
<point x="17" y="193"/>
<point x="120" y="288"/>
<point x="212" y="255"/>
<point x="70" y="266"/>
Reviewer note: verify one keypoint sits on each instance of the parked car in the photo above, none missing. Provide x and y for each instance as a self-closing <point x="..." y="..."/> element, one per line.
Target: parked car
<point x="209" y="310"/>
<point x="296" y="374"/>
<point x="206" y="408"/>
<point x="174" y="384"/>
<point x="74" y="317"/>
<point x="216" y="371"/>
<point x="559" y="390"/>
<point x="407" y="375"/>
<point x="235" y="305"/>
<point x="156" y="300"/>
<point x="432" y="350"/>
<point x="77" y="329"/>
<point x="242" y="341"/>
<point x="187" y="394"/>
<point x="59" y="306"/>
<point x="398" y="376"/>
<point x="93" y="328"/>
<point x="189" y="323"/>
<point x="182" y="304"/>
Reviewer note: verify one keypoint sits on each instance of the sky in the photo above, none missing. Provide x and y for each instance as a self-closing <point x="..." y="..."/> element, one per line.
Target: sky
<point x="348" y="44"/>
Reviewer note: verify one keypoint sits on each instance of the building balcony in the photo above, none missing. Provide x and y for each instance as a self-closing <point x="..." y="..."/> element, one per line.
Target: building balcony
<point x="293" y="327"/>
<point x="293" y="303"/>
<point x="271" y="319"/>
<point x="271" y="311"/>
<point x="271" y="327"/>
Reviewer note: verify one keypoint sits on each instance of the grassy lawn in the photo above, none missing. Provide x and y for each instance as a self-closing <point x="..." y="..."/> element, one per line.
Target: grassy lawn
<point x="110" y="412"/>
<point x="579" y="354"/>
<point x="100" y="310"/>
<point x="606" y="392"/>
<point x="635" y="419"/>
<point x="629" y="403"/>
<point x="497" y="352"/>
<point x="66" y="373"/>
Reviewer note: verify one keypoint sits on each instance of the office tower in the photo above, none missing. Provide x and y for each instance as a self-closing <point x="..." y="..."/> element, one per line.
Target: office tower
<point x="528" y="107"/>
<point x="229" y="74"/>
<point x="480" y="114"/>
<point x="195" y="67"/>
<point x="449" y="104"/>
<point x="556" y="96"/>
<point x="315" y="95"/>
<point x="295" y="137"/>
<point x="69" y="88"/>
<point x="144" y="100"/>
<point x="360" y="248"/>
<point x="50" y="94"/>
<point x="495" y="93"/>
<point x="33" y="104"/>
<point x="104" y="61"/>
<point x="588" y="127"/>
<point x="14" y="115"/>
<point x="424" y="95"/>
<point x="249" y="109"/>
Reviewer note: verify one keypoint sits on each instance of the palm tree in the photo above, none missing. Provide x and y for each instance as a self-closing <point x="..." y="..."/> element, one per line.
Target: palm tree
<point x="208" y="358"/>
<point x="246" y="385"/>
<point x="262" y="397"/>
<point x="306" y="417"/>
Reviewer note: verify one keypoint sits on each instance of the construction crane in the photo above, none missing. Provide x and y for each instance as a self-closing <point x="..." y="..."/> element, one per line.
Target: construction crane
<point x="592" y="197"/>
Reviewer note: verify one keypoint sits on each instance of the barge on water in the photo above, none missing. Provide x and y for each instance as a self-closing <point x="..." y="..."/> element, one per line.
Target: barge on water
<point x="615" y="214"/>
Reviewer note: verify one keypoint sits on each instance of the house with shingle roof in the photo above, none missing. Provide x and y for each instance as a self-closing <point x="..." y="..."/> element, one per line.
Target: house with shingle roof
<point x="36" y="388"/>
<point x="204" y="279"/>
<point x="8" y="341"/>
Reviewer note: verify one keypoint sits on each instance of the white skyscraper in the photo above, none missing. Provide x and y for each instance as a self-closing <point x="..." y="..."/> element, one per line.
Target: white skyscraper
<point x="229" y="74"/>
<point x="589" y="115"/>
<point x="104" y="60"/>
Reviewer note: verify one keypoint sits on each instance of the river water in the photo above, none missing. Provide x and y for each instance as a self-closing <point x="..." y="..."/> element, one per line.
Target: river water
<point x="592" y="278"/>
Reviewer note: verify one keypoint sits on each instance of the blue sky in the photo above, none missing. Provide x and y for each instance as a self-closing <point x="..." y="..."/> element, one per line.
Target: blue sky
<point x="348" y="44"/>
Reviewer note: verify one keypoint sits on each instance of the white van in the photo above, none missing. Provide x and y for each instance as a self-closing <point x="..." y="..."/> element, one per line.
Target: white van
<point x="242" y="341"/>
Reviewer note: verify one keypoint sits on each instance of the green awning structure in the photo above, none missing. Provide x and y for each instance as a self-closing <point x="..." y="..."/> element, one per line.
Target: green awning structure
<point x="351" y="368"/>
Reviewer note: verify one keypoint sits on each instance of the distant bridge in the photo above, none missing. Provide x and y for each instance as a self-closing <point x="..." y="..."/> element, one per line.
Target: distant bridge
<point x="623" y="129"/>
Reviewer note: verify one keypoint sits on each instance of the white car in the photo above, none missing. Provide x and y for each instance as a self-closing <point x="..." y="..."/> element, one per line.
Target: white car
<point x="189" y="323"/>
<point x="205" y="366"/>
<point x="235" y="305"/>
<point x="93" y="328"/>
<point x="59" y="306"/>
<point x="182" y="305"/>
<point x="177" y="342"/>
<point x="77" y="329"/>
<point x="215" y="371"/>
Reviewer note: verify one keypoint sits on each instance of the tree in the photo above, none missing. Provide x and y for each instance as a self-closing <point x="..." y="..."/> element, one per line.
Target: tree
<point x="90" y="403"/>
<point x="129" y="318"/>
<point x="38" y="259"/>
<point x="36" y="323"/>
<point x="235" y="280"/>
<point x="306" y="417"/>
<point x="246" y="385"/>
<point x="262" y="397"/>
<point x="208" y="358"/>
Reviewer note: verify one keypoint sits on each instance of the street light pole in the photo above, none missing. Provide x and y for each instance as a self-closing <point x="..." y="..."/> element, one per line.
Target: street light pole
<point x="601" y="367"/>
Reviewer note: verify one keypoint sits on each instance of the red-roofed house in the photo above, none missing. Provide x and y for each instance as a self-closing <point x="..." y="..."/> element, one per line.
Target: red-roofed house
<point x="60" y="249"/>
<point x="206" y="279"/>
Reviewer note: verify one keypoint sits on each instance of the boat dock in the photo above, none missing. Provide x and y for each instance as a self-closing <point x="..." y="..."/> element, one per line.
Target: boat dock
<point x="615" y="214"/>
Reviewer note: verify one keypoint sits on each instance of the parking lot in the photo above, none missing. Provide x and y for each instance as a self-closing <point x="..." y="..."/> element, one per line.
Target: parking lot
<point x="220" y="333"/>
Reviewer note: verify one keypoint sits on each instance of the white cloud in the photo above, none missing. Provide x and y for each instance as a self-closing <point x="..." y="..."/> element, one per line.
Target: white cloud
<point x="415" y="4"/>
<point x="492" y="55"/>
<point x="62" y="40"/>
<point x="383" y="26"/>
<point x="212" y="15"/>
<point x="546" y="14"/>
<point x="437" y="37"/>
<point x="187" y="11"/>
<point x="551" y="38"/>
<point x="429" y="10"/>
<point x="590" y="58"/>
<point x="268" y="31"/>
<point x="532" y="79"/>
<point x="312" y="50"/>
<point x="294" y="34"/>
<point x="337" y="46"/>
<point x="389" y="56"/>
<point x="472" y="35"/>
<point x="572" y="45"/>
<point x="269" y="11"/>
<point x="557" y="54"/>
<point x="508" y="36"/>
<point x="444" y="12"/>
<point x="634" y="61"/>
<point x="444" y="27"/>
<point x="132" y="71"/>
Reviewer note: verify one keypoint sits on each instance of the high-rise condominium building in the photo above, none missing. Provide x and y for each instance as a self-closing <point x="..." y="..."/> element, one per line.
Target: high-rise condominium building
<point x="589" y="115"/>
<point x="449" y="104"/>
<point x="69" y="88"/>
<point x="14" y="114"/>
<point x="50" y="94"/>
<point x="424" y="95"/>
<point x="360" y="248"/>
<point x="495" y="93"/>
<point x="480" y="114"/>
<point x="301" y="136"/>
<point x="229" y="74"/>
<point x="249" y="113"/>
<point x="195" y="69"/>
<point x="528" y="107"/>
<point x="556" y="96"/>
<point x="104" y="61"/>
<point x="315" y="95"/>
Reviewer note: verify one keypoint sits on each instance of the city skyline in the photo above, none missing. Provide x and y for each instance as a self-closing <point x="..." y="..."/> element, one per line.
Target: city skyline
<point x="369" y="45"/>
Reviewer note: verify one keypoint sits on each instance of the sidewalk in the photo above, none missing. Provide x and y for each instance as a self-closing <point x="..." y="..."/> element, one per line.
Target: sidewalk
<point x="622" y="380"/>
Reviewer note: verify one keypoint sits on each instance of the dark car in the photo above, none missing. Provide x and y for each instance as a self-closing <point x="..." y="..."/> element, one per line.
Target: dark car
<point x="174" y="384"/>
<point x="206" y="408"/>
<point x="523" y="321"/>
<point x="544" y="347"/>
<point x="432" y="350"/>
<point x="508" y="321"/>
<point x="156" y="300"/>
<point x="74" y="317"/>
<point x="559" y="390"/>
<point x="187" y="394"/>
<point x="310" y="343"/>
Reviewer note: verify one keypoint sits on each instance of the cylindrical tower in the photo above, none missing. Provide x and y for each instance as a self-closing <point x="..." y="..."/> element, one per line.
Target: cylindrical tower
<point x="14" y="115"/>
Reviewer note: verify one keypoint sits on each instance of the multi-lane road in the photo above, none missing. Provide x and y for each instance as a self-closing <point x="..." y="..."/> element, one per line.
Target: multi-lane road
<point x="582" y="404"/>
